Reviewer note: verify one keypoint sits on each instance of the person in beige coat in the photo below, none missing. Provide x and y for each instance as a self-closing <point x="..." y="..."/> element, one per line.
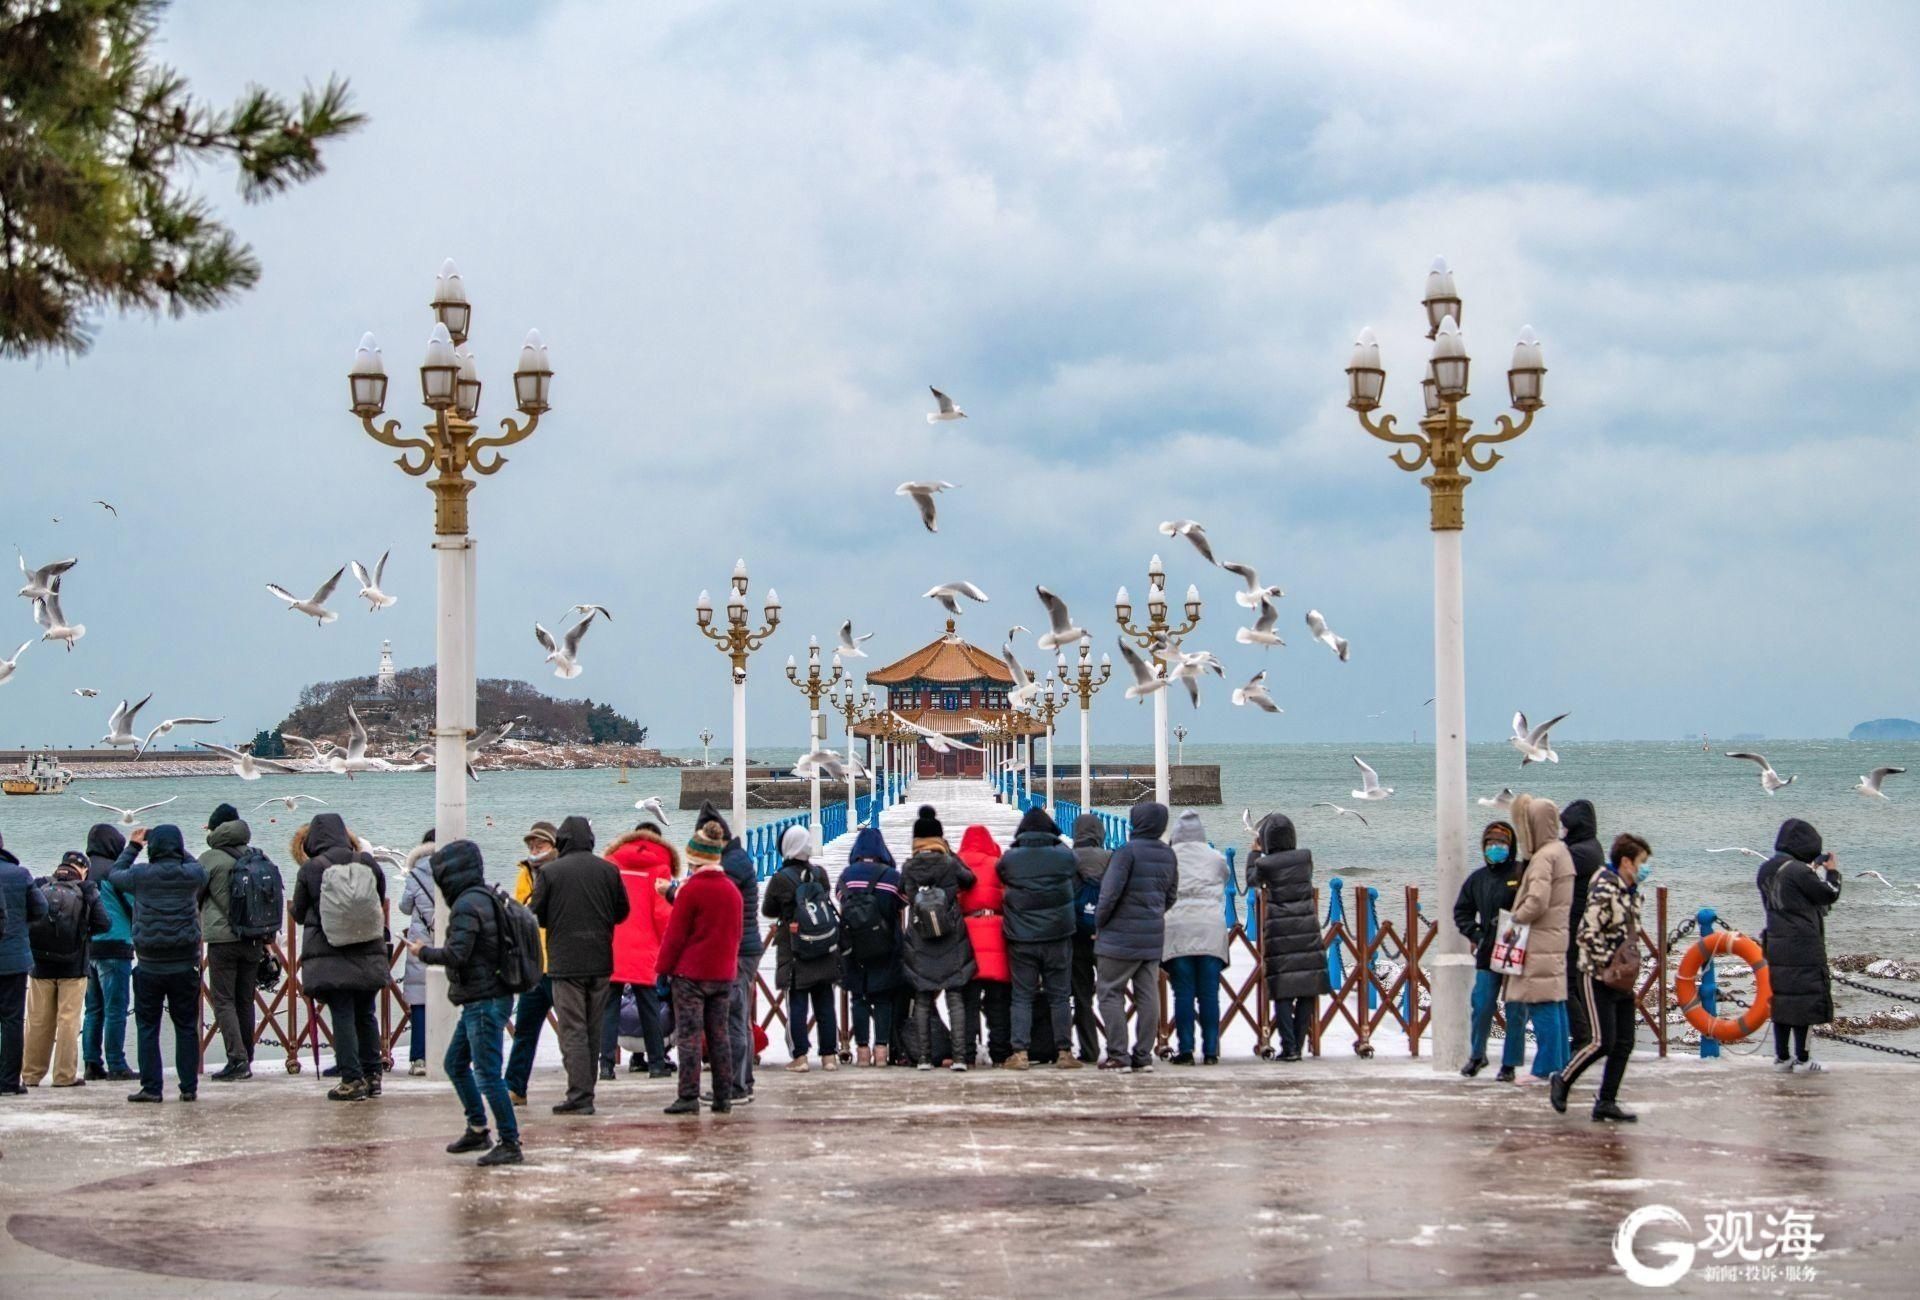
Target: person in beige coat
<point x="1544" y="902"/>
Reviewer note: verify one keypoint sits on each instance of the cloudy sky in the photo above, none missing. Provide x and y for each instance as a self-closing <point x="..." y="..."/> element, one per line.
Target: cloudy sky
<point x="1135" y="241"/>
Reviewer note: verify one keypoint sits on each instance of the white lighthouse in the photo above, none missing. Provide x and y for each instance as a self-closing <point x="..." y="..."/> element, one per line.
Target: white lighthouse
<point x="384" y="684"/>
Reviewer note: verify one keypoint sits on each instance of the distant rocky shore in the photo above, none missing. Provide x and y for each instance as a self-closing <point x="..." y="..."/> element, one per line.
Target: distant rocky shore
<point x="521" y="756"/>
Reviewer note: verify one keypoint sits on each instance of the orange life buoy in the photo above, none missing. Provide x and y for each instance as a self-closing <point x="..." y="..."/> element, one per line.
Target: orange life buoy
<point x="1686" y="986"/>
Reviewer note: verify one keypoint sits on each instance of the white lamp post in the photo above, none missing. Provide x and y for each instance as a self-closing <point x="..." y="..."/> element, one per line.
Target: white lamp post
<point x="1086" y="685"/>
<point x="1180" y="740"/>
<point x="737" y="641"/>
<point x="813" y="686"/>
<point x="706" y="747"/>
<point x="1160" y="639"/>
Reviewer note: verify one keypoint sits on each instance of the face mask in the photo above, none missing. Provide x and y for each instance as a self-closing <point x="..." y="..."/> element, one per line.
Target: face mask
<point x="1497" y="853"/>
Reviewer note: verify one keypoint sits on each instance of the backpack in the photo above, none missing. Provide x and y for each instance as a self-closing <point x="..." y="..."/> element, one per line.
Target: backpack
<point x="350" y="910"/>
<point x="869" y="924"/>
<point x="62" y="932"/>
<point x="521" y="963"/>
<point x="818" y="934"/>
<point x="256" y="896"/>
<point x="932" y="915"/>
<point x="1086" y="904"/>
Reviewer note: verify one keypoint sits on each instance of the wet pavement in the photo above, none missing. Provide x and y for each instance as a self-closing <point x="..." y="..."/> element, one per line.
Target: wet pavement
<point x="1330" y="1177"/>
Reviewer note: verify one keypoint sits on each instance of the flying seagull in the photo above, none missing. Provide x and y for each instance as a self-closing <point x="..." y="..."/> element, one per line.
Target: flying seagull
<point x="246" y="766"/>
<point x="922" y="494"/>
<point x="849" y="647"/>
<point x="1346" y="812"/>
<point x="355" y="758"/>
<point x="1869" y="784"/>
<point x="1533" y="745"/>
<point x="1770" y="780"/>
<point x="1255" y="592"/>
<point x="601" y="610"/>
<point x="370" y="586"/>
<point x="1262" y="633"/>
<point x="53" y="620"/>
<point x="491" y="736"/>
<point x="1246" y="818"/>
<point x="1502" y="801"/>
<point x="40" y="582"/>
<point x="85" y="692"/>
<point x="1877" y="876"/>
<point x="127" y="815"/>
<point x="1370" y="787"/>
<point x="820" y="762"/>
<point x="166" y="725"/>
<point x="564" y="655"/>
<point x="1735" y="848"/>
<point x="1024" y="687"/>
<point x="1061" y="631"/>
<point x="8" y="665"/>
<point x="315" y="606"/>
<point x="317" y="750"/>
<point x="948" y="594"/>
<point x="1255" y="692"/>
<point x="120" y="725"/>
<point x="291" y="802"/>
<point x="947" y="411"/>
<point x="1193" y="532"/>
<point x="1190" y="667"/>
<point x="1146" y="680"/>
<point x="1326" y="635"/>
<point x="108" y="508"/>
<point x="654" y="808"/>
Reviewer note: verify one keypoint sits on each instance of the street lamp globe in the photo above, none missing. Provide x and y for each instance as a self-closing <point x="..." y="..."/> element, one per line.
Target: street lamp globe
<point x="1366" y="380"/>
<point x="773" y="607"/>
<point x="1430" y="393"/>
<point x="439" y="370"/>
<point x="1193" y="603"/>
<point x="368" y="379"/>
<point x="1156" y="572"/>
<point x="1442" y="298"/>
<point x="703" y="610"/>
<point x="1524" y="376"/>
<point x="737" y="608"/>
<point x="533" y="376"/>
<point x="450" y="305"/>
<point x="466" y="388"/>
<point x="739" y="579"/>
<point x="1123" y="606"/>
<point x="1450" y="361"/>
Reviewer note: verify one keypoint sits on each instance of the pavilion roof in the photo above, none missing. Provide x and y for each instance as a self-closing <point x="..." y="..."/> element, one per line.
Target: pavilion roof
<point x="958" y="724"/>
<point x="948" y="659"/>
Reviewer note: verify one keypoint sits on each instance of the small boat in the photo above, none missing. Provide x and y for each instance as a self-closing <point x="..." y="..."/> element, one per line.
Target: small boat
<point x="41" y="775"/>
<point x="623" y="775"/>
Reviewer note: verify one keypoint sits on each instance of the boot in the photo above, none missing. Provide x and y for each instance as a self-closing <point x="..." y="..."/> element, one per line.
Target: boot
<point x="348" y="1090"/>
<point x="474" y="1139"/>
<point x="1473" y="1067"/>
<point x="507" y="1153"/>
<point x="1610" y="1110"/>
<point x="1015" y="1061"/>
<point x="1557" y="1089"/>
<point x="684" y="1106"/>
<point x="606" y="1071"/>
<point x="828" y="1061"/>
<point x="1181" y="1058"/>
<point x="1067" y="1061"/>
<point x="1505" y="1075"/>
<point x="96" y="1071"/>
<point x="862" y="1056"/>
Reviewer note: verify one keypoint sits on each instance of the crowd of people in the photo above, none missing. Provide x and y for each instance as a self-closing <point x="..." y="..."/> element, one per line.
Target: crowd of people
<point x="1040" y="941"/>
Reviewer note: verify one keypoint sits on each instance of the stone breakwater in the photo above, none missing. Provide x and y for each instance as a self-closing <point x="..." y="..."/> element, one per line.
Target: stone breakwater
<point x="526" y="758"/>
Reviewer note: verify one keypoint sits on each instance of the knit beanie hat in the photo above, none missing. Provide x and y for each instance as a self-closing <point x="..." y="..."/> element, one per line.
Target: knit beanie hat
<point x="796" y="843"/>
<point x="708" y="842"/>
<point x="223" y="814"/>
<point x="543" y="831"/>
<point x="926" y="825"/>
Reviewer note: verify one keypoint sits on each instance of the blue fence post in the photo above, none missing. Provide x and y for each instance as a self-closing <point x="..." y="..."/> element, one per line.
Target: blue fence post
<point x="1373" y="937"/>
<point x="1709" y="985"/>
<point x="1336" y="914"/>
<point x="1232" y="892"/>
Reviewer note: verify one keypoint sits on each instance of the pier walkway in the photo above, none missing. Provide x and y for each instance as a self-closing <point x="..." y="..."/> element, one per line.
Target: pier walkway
<point x="960" y="802"/>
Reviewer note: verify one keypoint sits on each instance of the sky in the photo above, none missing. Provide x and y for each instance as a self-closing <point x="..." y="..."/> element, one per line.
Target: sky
<point x="1135" y="242"/>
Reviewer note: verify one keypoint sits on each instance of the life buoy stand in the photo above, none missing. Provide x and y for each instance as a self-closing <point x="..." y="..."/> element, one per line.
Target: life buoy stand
<point x="1686" y="986"/>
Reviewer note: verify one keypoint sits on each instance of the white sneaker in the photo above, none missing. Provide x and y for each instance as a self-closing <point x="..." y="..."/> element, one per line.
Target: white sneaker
<point x="959" y="1067"/>
<point x="924" y="1065"/>
<point x="1783" y="1067"/>
<point x="1813" y="1067"/>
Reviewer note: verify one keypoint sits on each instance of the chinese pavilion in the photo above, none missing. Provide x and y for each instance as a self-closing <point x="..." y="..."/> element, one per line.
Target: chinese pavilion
<point x="949" y="687"/>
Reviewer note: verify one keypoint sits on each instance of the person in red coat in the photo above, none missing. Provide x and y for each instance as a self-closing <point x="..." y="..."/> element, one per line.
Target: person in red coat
<point x="699" y="953"/>
<point x="991" y="991"/>
<point x="648" y="867"/>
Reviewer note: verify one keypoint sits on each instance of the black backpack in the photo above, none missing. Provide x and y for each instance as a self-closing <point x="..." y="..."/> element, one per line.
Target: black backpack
<point x="818" y="934"/>
<point x="521" y="964"/>
<point x="869" y="924"/>
<point x="932" y="914"/>
<point x="256" y="895"/>
<point x="1086" y="905"/>
<point x="62" y="931"/>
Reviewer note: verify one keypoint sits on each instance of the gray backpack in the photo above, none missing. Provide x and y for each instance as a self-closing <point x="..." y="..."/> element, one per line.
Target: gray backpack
<point x="350" y="910"/>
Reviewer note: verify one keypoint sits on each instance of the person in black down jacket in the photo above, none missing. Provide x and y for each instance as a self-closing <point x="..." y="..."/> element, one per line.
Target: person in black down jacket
<point x="347" y="977"/>
<point x="808" y="982"/>
<point x="1581" y="827"/>
<point x="59" y="985"/>
<point x="21" y="904"/>
<point x="872" y="977"/>
<point x="1484" y="894"/>
<point x="1040" y="877"/>
<point x="943" y="962"/>
<point x="165" y="892"/>
<point x="103" y="1026"/>
<point x="472" y="958"/>
<point x="1140" y="884"/>
<point x="579" y="899"/>
<point x="1293" y="958"/>
<point x="1090" y="856"/>
<point x="1797" y="886"/>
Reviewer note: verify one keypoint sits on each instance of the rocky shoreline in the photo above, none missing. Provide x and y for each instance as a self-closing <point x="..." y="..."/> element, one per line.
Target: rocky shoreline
<point x="526" y="757"/>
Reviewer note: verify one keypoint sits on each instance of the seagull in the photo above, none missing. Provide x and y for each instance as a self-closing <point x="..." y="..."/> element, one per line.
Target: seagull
<point x="1189" y="668"/>
<point x="947" y="411"/>
<point x="85" y="692"/>
<point x="370" y="586"/>
<point x="1502" y="801"/>
<point x="127" y="815"/>
<point x="317" y="751"/>
<point x="291" y="802"/>
<point x="491" y="736"/>
<point x="949" y="594"/>
<point x="938" y="743"/>
<point x="1255" y="692"/>
<point x="564" y="655"/>
<point x="1016" y="630"/>
<point x="315" y="607"/>
<point x="1262" y="633"/>
<point x="1326" y="635"/>
<point x="1246" y="819"/>
<point x="849" y="647"/>
<point x="1770" y="780"/>
<point x="1346" y="812"/>
<point x="1735" y="848"/>
<point x="1146" y="680"/>
<point x="1193" y="532"/>
<point x="1869" y="784"/>
<point x="922" y="494"/>
<point x="1062" y="632"/>
<point x="167" y="725"/>
<point x="653" y="807"/>
<point x="1877" y="876"/>
<point x="108" y="508"/>
<point x="53" y="620"/>
<point x="40" y="582"/>
<point x="7" y="665"/>
<point x="355" y="758"/>
<point x="246" y="766"/>
<point x="1024" y="687"/>
<point x="120" y="725"/>
<point x="1533" y="744"/>
<point x="1370" y="787"/>
<point x="820" y="762"/>
<point x="1255" y="592"/>
<point x="601" y="610"/>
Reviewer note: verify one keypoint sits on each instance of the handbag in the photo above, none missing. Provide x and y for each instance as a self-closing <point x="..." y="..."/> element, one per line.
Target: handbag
<point x="1622" y="971"/>
<point x="1510" y="945"/>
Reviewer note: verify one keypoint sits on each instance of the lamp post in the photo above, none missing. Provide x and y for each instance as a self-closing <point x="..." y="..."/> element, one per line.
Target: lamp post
<point x="855" y="706"/>
<point x="1444" y="444"/>
<point x="1180" y="739"/>
<point x="1050" y="704"/>
<point x="737" y="641"/>
<point x="706" y="747"/>
<point x="1086" y="685"/>
<point x="813" y="686"/>
<point x="1159" y="639"/>
<point x="450" y="390"/>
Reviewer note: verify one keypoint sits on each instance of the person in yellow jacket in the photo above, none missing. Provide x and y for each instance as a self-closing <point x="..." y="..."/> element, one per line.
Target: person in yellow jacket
<point x="530" y="1016"/>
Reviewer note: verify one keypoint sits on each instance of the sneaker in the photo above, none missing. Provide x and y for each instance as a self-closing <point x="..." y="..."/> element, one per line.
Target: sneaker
<point x="121" y="1074"/>
<point x="144" y="1096"/>
<point x="959" y="1067"/>
<point x="606" y="1072"/>
<point x="1209" y="1060"/>
<point x="1610" y="1111"/>
<point x="517" y="1098"/>
<point x="354" y="1090"/>
<point x="507" y="1153"/>
<point x="227" y="1073"/>
<point x="418" y="1069"/>
<point x="1812" y="1067"/>
<point x="1505" y="1075"/>
<point x="96" y="1071"/>
<point x="190" y="1096"/>
<point x="798" y="1065"/>
<point x="1016" y="1061"/>
<point x="829" y="1062"/>
<point x="1557" y="1089"/>
<point x="72" y="1083"/>
<point x="1288" y="1057"/>
<point x="684" y="1106"/>
<point x="1067" y="1061"/>
<point x="474" y="1139"/>
<point x="1143" y="1067"/>
<point x="1783" y="1067"/>
<point x="1473" y="1067"/>
<point x="1113" y="1063"/>
<point x="661" y="1072"/>
<point x="373" y="1085"/>
<point x="1181" y="1058"/>
<point x="581" y="1107"/>
<point x="924" y="1065"/>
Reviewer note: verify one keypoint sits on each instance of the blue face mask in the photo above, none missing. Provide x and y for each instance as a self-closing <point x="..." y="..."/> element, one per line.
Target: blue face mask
<point x="1497" y="853"/>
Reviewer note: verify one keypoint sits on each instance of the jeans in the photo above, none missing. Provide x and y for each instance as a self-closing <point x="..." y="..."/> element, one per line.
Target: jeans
<point x="1293" y="1018"/>
<point x="473" y="1065"/>
<point x="992" y="999"/>
<point x="739" y="1023"/>
<point x="529" y="1018"/>
<point x="232" y="970"/>
<point x="1486" y="992"/>
<point x="646" y="1000"/>
<point x="1611" y="1013"/>
<point x="357" y="1049"/>
<point x="179" y="992"/>
<point x="701" y="1011"/>
<point x="1086" y="1024"/>
<point x="875" y="1009"/>
<point x="1196" y="980"/>
<point x="417" y="1032"/>
<point x="103" y="1026"/>
<point x="820" y="996"/>
<point x="1037" y="966"/>
<point x="581" y="1002"/>
<point x="53" y="1030"/>
<point x="1116" y="973"/>
<point x="13" y="1028"/>
<point x="1551" y="1049"/>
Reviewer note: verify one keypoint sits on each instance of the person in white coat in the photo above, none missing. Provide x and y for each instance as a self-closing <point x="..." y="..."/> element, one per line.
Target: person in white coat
<point x="1196" y="943"/>
<point x="416" y="902"/>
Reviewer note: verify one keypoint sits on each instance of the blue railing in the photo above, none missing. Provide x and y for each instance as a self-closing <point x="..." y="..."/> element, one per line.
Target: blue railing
<point x="1709" y="988"/>
<point x="763" y="843"/>
<point x="1336" y="914"/>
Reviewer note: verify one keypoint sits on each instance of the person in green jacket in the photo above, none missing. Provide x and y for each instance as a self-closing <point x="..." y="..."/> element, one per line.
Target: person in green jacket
<point x="233" y="963"/>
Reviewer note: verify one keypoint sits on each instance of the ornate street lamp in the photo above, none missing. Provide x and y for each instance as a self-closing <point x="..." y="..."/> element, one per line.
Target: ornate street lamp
<point x="706" y="747"/>
<point x="1048" y="705"/>
<point x="450" y="390"/>
<point x="855" y="704"/>
<point x="1180" y="739"/>
<point x="1159" y="639"/>
<point x="737" y="641"/>
<point x="813" y="686"/>
<point x="1086" y="685"/>
<point x="1444" y="444"/>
